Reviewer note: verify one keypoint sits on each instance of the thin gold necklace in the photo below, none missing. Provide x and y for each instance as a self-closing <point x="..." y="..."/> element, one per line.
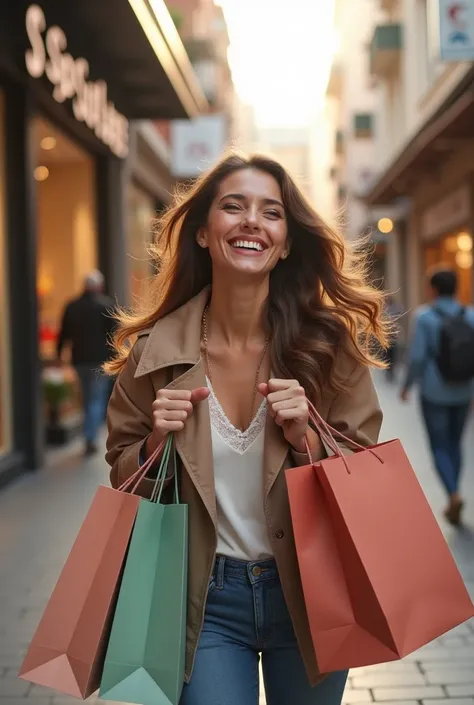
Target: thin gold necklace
<point x="208" y="364"/>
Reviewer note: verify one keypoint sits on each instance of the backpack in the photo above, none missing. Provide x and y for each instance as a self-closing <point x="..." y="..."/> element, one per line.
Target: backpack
<point x="455" y="357"/>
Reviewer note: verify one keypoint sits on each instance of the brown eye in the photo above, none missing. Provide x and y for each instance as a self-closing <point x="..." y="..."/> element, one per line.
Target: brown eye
<point x="231" y="207"/>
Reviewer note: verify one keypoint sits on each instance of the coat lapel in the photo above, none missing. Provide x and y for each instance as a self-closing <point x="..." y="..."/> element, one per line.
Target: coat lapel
<point x="194" y="443"/>
<point x="275" y="453"/>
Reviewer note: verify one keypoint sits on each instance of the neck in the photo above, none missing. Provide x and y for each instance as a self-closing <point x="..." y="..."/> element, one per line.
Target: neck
<point x="235" y="311"/>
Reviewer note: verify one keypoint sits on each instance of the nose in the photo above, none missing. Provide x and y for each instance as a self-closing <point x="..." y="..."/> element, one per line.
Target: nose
<point x="251" y="221"/>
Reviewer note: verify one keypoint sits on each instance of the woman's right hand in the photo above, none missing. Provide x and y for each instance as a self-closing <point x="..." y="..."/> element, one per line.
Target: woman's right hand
<point x="171" y="410"/>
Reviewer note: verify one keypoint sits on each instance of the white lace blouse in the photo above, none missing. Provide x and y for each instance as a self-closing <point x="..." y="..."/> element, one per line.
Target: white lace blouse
<point x="238" y="473"/>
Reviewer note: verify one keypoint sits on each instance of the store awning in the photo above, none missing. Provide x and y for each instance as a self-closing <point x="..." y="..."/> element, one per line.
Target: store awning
<point x="134" y="46"/>
<point x="426" y="151"/>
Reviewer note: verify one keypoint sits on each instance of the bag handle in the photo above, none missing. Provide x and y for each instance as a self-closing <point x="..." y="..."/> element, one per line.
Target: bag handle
<point x="164" y="449"/>
<point x="328" y="433"/>
<point x="162" y="472"/>
<point x="135" y="479"/>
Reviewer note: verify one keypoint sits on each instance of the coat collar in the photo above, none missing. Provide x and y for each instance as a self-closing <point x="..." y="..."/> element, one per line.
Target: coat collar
<point x="176" y="338"/>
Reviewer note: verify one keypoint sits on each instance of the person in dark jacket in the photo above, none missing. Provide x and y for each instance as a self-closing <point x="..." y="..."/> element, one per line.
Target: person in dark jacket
<point x="87" y="326"/>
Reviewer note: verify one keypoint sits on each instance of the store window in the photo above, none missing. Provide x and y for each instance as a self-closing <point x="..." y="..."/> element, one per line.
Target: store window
<point x="5" y="394"/>
<point x="142" y="213"/>
<point x="67" y="251"/>
<point x="456" y="251"/>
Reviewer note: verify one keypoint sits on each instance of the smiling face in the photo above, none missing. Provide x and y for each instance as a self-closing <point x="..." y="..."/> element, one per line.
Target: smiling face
<point x="246" y="229"/>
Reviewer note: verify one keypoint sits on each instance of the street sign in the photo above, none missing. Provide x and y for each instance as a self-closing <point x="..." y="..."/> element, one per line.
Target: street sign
<point x="456" y="26"/>
<point x="197" y="144"/>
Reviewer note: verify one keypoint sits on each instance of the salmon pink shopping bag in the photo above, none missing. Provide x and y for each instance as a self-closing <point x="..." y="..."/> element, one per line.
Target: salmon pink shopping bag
<point x="378" y="577"/>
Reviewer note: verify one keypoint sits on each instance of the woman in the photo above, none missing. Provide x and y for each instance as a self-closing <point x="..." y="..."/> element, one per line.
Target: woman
<point x="259" y="308"/>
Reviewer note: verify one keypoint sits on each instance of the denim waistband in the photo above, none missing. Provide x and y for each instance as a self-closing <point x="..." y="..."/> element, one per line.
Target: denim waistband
<point x="253" y="571"/>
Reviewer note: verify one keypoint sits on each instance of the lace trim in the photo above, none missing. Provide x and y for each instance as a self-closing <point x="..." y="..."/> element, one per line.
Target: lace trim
<point x="238" y="440"/>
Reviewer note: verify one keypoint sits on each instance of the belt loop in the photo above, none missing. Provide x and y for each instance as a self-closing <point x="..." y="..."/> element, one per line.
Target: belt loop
<point x="220" y="572"/>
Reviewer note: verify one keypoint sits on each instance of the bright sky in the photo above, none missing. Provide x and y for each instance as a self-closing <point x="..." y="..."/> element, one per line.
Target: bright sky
<point x="280" y="56"/>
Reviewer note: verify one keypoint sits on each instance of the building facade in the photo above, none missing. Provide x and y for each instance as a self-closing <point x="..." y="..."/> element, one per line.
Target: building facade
<point x="77" y="173"/>
<point x="424" y="146"/>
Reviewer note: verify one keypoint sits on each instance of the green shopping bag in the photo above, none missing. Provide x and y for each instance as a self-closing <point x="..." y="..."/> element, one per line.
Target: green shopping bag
<point x="146" y="652"/>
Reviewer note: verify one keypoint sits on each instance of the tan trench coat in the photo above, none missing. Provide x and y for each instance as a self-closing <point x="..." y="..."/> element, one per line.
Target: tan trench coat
<point x="169" y="355"/>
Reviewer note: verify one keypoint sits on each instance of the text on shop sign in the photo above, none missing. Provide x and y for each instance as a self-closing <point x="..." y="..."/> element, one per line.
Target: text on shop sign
<point x="69" y="78"/>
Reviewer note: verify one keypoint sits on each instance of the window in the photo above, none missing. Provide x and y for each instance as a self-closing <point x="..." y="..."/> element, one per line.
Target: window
<point x="5" y="396"/>
<point x="363" y="125"/>
<point x="429" y="42"/>
<point x="142" y="213"/>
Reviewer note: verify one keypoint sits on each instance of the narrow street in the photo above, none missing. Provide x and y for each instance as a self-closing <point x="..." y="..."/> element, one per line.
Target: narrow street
<point x="40" y="515"/>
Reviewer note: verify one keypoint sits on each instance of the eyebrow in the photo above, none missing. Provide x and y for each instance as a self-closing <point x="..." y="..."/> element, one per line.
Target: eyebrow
<point x="241" y="197"/>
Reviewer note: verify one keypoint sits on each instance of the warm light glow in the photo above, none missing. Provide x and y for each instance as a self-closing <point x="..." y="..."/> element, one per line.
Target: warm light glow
<point x="464" y="259"/>
<point x="451" y="244"/>
<point x="48" y="143"/>
<point x="385" y="225"/>
<point x="45" y="285"/>
<point x="41" y="173"/>
<point x="464" y="242"/>
<point x="280" y="56"/>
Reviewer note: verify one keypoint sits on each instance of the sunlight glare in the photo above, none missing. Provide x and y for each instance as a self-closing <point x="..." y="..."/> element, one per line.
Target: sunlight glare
<point x="280" y="56"/>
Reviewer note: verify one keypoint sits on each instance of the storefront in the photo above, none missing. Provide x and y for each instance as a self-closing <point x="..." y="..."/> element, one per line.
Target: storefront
<point x="5" y="394"/>
<point x="66" y="102"/>
<point x="447" y="239"/>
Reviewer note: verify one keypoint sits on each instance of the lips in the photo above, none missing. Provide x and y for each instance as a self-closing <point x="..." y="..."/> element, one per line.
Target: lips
<point x="248" y="244"/>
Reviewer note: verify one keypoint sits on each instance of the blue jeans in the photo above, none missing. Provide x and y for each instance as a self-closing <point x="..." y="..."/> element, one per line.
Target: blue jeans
<point x="445" y="425"/>
<point x="246" y="615"/>
<point x="94" y="389"/>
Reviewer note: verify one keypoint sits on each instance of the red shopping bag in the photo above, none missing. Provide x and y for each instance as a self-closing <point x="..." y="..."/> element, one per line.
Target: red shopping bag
<point x="67" y="651"/>
<point x="378" y="578"/>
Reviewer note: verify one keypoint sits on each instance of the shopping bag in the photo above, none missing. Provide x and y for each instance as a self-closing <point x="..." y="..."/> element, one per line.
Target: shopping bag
<point x="378" y="578"/>
<point x="146" y="652"/>
<point x="68" y="648"/>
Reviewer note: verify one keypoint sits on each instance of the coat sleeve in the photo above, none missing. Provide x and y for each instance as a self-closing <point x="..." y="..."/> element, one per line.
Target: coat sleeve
<point x="356" y="411"/>
<point x="129" y="423"/>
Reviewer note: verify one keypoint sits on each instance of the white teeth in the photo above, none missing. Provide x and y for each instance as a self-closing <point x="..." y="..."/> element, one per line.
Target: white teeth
<point x="248" y="245"/>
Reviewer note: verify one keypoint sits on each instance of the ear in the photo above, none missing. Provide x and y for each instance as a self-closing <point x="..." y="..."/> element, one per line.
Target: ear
<point x="201" y="238"/>
<point x="285" y="252"/>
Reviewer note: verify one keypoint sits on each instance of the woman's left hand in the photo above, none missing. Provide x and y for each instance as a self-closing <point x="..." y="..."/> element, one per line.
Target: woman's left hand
<point x="288" y="405"/>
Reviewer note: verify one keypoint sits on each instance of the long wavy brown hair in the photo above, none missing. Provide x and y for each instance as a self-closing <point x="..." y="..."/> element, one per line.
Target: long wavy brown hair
<point x="320" y="303"/>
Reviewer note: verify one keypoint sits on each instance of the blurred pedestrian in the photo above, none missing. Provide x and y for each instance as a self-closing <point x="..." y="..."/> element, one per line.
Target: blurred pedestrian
<point x="87" y="325"/>
<point x="441" y="361"/>
<point x="393" y="311"/>
<point x="261" y="307"/>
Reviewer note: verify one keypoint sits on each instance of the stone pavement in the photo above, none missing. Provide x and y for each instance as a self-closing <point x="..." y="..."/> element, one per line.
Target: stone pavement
<point x="40" y="516"/>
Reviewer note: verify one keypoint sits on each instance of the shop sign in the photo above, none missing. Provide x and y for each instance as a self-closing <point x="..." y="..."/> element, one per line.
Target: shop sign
<point x="90" y="105"/>
<point x="196" y="144"/>
<point x="456" y="28"/>
<point x="447" y="215"/>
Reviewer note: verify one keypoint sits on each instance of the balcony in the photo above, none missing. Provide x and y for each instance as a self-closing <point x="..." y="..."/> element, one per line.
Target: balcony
<point x="205" y="62"/>
<point x="385" y="50"/>
<point x="339" y="142"/>
<point x="363" y="125"/>
<point x="334" y="87"/>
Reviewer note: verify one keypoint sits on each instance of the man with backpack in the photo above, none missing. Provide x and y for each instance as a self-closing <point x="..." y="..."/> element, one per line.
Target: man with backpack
<point x="441" y="361"/>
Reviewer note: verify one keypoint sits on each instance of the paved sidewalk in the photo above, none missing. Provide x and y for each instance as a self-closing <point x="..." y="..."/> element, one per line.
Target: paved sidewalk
<point x="41" y="514"/>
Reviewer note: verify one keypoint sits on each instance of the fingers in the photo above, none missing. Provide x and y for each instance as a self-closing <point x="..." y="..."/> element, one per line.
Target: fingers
<point x="276" y="385"/>
<point x="173" y="407"/>
<point x="296" y="413"/>
<point x="295" y="391"/>
<point x="199" y="394"/>
<point x="172" y="404"/>
<point x="287" y="401"/>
